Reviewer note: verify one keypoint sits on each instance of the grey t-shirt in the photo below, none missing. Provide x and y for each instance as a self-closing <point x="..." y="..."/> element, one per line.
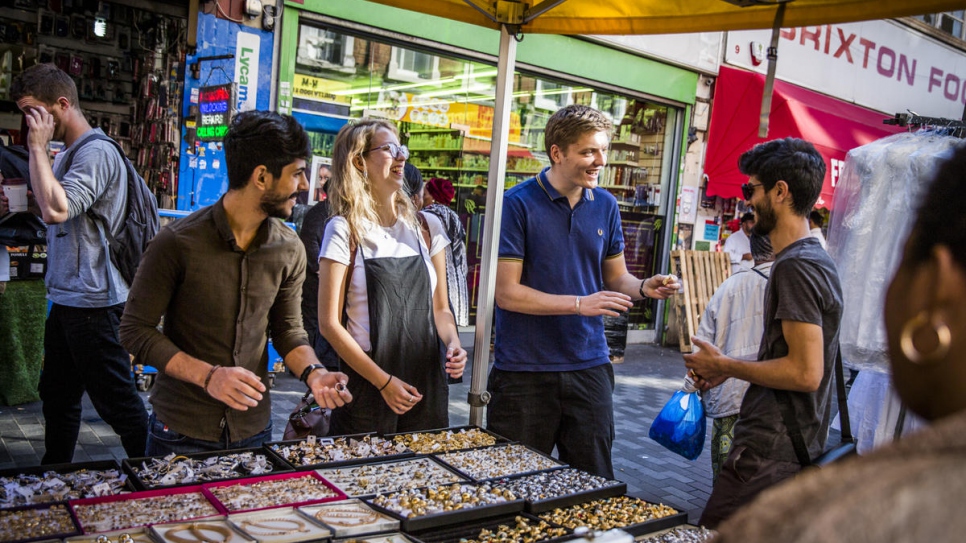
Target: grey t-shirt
<point x="803" y="287"/>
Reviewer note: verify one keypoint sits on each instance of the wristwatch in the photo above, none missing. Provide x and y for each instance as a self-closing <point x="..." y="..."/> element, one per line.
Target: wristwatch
<point x="307" y="371"/>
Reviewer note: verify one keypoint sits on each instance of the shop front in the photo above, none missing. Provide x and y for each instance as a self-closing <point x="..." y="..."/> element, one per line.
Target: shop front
<point x="436" y="80"/>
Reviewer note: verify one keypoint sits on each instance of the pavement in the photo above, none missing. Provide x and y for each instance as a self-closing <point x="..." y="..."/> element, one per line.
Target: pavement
<point x="645" y="380"/>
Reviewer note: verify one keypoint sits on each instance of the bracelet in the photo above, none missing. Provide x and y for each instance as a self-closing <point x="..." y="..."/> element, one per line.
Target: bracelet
<point x="197" y="532"/>
<point x="387" y="383"/>
<point x="641" y="290"/>
<point x="577" y="304"/>
<point x="308" y="371"/>
<point x="208" y="378"/>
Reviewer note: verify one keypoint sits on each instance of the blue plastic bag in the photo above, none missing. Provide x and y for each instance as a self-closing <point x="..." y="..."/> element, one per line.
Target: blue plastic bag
<point x="680" y="426"/>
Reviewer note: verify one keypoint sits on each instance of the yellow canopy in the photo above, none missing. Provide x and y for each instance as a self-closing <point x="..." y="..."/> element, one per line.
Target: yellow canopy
<point x="664" y="16"/>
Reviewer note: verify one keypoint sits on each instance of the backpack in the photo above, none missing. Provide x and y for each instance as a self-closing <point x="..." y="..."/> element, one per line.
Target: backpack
<point x="19" y="229"/>
<point x="141" y="221"/>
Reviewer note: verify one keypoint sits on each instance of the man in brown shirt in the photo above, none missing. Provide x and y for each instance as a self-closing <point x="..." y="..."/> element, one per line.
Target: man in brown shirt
<point x="224" y="278"/>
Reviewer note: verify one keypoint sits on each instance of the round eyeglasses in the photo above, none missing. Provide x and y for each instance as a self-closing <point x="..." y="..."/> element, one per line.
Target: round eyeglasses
<point x="398" y="152"/>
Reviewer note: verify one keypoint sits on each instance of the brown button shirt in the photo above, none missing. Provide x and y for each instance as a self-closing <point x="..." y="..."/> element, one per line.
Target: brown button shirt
<point x="218" y="303"/>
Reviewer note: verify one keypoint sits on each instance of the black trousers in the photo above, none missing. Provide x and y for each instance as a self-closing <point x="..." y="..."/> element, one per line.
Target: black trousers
<point x="82" y="352"/>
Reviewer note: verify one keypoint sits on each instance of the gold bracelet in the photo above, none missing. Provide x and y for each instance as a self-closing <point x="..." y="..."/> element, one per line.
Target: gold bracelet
<point x="266" y="525"/>
<point x="362" y="517"/>
<point x="197" y="531"/>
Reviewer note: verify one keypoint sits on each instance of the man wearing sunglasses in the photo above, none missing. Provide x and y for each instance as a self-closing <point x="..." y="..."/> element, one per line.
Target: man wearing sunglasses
<point x="738" y="244"/>
<point x="784" y="417"/>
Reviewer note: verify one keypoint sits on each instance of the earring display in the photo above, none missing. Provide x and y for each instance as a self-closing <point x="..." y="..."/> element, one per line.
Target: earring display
<point x="445" y="441"/>
<point x="205" y="531"/>
<point x="350" y="517"/>
<point x="273" y="491"/>
<point x="51" y="486"/>
<point x="36" y="522"/>
<point x="619" y="512"/>
<point x="499" y="461"/>
<point x="122" y="512"/>
<point x="368" y="479"/>
<point x="279" y="526"/>
<point x="312" y="451"/>
<point x="548" y="487"/>
<point x="682" y="534"/>
<point x="179" y="469"/>
<point x="431" y="507"/>
<point x="382" y="538"/>
<point x="133" y="535"/>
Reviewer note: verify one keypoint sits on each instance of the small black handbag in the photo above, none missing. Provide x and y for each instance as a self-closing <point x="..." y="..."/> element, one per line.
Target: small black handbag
<point x="844" y="449"/>
<point x="308" y="418"/>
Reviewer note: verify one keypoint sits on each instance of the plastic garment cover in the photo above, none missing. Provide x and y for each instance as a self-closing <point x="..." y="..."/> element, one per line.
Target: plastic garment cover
<point x="681" y="425"/>
<point x="875" y="202"/>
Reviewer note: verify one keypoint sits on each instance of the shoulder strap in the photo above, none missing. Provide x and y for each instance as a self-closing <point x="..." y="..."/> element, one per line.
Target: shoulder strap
<point x="791" y="423"/>
<point x="424" y="228"/>
<point x="759" y="272"/>
<point x="70" y="161"/>
<point x="347" y="279"/>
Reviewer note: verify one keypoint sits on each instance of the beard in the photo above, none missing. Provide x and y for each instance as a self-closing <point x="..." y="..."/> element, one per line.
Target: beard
<point x="277" y="205"/>
<point x="765" y="219"/>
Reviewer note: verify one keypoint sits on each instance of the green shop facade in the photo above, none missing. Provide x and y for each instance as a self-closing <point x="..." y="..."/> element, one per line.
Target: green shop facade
<point x="436" y="80"/>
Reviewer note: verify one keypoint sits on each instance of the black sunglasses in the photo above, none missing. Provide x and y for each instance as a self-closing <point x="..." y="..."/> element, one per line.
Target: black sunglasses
<point x="748" y="190"/>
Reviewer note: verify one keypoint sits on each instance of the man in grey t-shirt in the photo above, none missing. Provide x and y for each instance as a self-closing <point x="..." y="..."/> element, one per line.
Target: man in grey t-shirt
<point x="803" y="307"/>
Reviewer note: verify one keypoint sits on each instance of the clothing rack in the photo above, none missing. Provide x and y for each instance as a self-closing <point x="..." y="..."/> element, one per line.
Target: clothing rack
<point x="952" y="127"/>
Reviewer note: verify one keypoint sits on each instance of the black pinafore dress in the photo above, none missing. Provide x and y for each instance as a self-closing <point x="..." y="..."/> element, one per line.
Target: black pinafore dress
<point x="404" y="343"/>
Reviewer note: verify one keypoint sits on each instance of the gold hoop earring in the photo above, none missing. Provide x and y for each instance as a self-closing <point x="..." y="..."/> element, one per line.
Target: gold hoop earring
<point x="940" y="328"/>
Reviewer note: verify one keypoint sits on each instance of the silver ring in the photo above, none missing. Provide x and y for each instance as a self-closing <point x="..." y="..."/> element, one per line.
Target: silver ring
<point x="412" y="399"/>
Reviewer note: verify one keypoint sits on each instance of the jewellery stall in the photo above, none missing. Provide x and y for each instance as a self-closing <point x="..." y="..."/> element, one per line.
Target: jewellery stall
<point x="456" y="484"/>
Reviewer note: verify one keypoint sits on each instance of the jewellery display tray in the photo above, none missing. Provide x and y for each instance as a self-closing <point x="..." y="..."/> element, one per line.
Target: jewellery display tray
<point x="99" y="465"/>
<point x="454" y="429"/>
<point x="650" y="526"/>
<point x="449" y="518"/>
<point x="381" y="523"/>
<point x="350" y="461"/>
<point x="121" y="498"/>
<point x="45" y="537"/>
<point x="258" y="526"/>
<point x="471" y="530"/>
<point x="165" y="533"/>
<point x="223" y="509"/>
<point x="129" y="465"/>
<point x="458" y="469"/>
<point x="619" y="488"/>
<point x="388" y="463"/>
<point x="390" y="537"/>
<point x="138" y="535"/>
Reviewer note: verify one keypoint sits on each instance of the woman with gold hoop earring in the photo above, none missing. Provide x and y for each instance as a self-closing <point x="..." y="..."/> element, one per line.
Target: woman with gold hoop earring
<point x="913" y="489"/>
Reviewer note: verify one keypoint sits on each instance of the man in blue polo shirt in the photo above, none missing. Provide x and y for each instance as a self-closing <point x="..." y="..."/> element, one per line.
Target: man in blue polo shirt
<point x="561" y="242"/>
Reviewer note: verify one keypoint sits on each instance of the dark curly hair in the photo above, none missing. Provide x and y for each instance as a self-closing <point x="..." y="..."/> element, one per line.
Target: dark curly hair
<point x="262" y="138"/>
<point x="792" y="160"/>
<point x="941" y="219"/>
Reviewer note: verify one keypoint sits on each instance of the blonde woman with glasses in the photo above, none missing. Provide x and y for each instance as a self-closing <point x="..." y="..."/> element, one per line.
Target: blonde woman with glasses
<point x="380" y="260"/>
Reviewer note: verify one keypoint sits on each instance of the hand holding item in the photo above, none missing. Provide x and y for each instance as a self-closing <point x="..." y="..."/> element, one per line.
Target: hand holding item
<point x="455" y="362"/>
<point x="704" y="364"/>
<point x="661" y="287"/>
<point x="329" y="388"/>
<point x="236" y="387"/>
<point x="399" y="395"/>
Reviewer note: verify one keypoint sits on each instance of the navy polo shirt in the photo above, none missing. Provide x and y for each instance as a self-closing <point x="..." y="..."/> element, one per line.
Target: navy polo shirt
<point x="562" y="251"/>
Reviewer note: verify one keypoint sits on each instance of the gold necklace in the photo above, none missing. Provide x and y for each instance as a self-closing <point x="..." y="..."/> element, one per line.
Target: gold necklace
<point x="197" y="533"/>
<point x="269" y="529"/>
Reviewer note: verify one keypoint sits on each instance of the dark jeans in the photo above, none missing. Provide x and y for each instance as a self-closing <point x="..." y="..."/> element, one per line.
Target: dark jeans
<point x="163" y="441"/>
<point x="82" y="352"/>
<point x="744" y="475"/>
<point x="572" y="410"/>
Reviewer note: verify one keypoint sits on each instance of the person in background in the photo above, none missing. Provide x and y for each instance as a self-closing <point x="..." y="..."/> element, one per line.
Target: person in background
<point x="561" y="243"/>
<point x="223" y="278"/>
<point x="738" y="246"/>
<point x="325" y="173"/>
<point x="313" y="227"/>
<point x="913" y="489"/>
<point x="380" y="259"/>
<point x="815" y="222"/>
<point x="414" y="185"/>
<point x="802" y="311"/>
<point x="437" y="197"/>
<point x="86" y="291"/>
<point x="733" y="321"/>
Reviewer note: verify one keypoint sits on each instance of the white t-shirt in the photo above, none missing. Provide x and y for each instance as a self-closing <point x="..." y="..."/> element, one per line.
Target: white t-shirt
<point x="737" y="245"/>
<point x="817" y="234"/>
<point x="397" y="241"/>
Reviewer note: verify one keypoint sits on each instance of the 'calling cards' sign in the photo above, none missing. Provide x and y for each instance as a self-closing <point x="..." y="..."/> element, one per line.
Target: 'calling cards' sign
<point x="214" y="105"/>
